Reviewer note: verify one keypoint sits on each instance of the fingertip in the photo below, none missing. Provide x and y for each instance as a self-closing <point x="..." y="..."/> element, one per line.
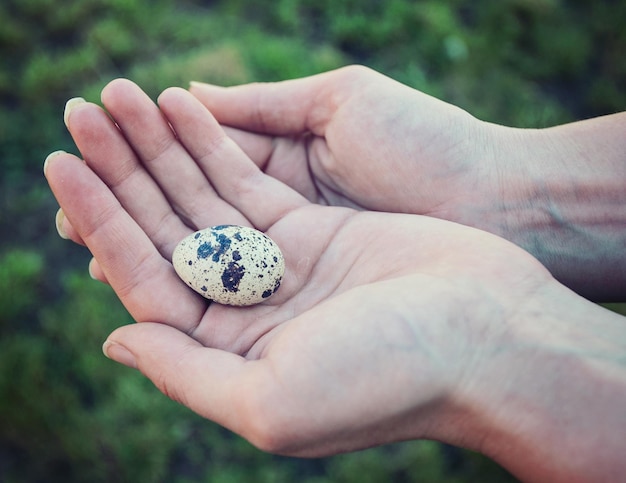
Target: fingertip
<point x="70" y="106"/>
<point x="65" y="229"/>
<point x="119" y="89"/>
<point x="95" y="271"/>
<point x="177" y="103"/>
<point x="46" y="162"/>
<point x="120" y="82"/>
<point x="59" y="220"/>
<point x="201" y="92"/>
<point x="57" y="164"/>
<point x="172" y="93"/>
<point x="119" y="353"/>
<point x="196" y="87"/>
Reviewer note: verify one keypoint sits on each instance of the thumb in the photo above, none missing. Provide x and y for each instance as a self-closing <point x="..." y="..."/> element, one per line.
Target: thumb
<point x="208" y="381"/>
<point x="277" y="108"/>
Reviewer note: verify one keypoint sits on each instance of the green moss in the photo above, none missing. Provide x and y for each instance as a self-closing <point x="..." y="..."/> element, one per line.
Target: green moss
<point x="20" y="276"/>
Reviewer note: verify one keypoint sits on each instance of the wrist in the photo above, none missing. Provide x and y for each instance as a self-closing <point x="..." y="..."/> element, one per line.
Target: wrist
<point x="546" y="397"/>
<point x="561" y="196"/>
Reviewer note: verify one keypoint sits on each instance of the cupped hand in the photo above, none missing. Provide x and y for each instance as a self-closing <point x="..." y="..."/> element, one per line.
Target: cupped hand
<point x="353" y="137"/>
<point x="378" y="324"/>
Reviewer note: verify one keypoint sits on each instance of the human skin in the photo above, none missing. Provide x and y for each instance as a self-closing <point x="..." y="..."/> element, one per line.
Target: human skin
<point x="387" y="327"/>
<point x="353" y="137"/>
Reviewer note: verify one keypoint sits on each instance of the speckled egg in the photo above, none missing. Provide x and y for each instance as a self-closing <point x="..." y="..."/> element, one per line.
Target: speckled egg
<point x="230" y="264"/>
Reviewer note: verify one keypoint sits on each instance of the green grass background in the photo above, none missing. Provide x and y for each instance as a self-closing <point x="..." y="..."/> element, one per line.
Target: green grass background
<point x="68" y="414"/>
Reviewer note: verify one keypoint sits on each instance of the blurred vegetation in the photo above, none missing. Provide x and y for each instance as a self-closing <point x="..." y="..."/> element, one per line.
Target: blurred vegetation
<point x="68" y="414"/>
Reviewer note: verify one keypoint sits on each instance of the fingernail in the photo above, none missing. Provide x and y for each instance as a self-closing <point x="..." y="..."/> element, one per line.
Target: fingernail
<point x="58" y="221"/>
<point x="201" y="85"/>
<point x="91" y="273"/>
<point x="119" y="353"/>
<point x="95" y="271"/>
<point x="69" y="105"/>
<point x="48" y="158"/>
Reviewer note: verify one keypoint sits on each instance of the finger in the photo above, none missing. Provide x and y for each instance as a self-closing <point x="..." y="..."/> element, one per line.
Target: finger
<point x="209" y="381"/>
<point x="283" y="158"/>
<point x="280" y="108"/>
<point x="144" y="281"/>
<point x="108" y="154"/>
<point x="260" y="198"/>
<point x="258" y="147"/>
<point x="152" y="139"/>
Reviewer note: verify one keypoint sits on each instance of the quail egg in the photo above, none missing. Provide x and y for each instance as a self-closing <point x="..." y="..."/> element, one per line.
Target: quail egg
<point x="230" y="264"/>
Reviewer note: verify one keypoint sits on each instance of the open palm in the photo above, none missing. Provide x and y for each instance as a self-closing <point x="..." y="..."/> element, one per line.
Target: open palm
<point x="365" y="333"/>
